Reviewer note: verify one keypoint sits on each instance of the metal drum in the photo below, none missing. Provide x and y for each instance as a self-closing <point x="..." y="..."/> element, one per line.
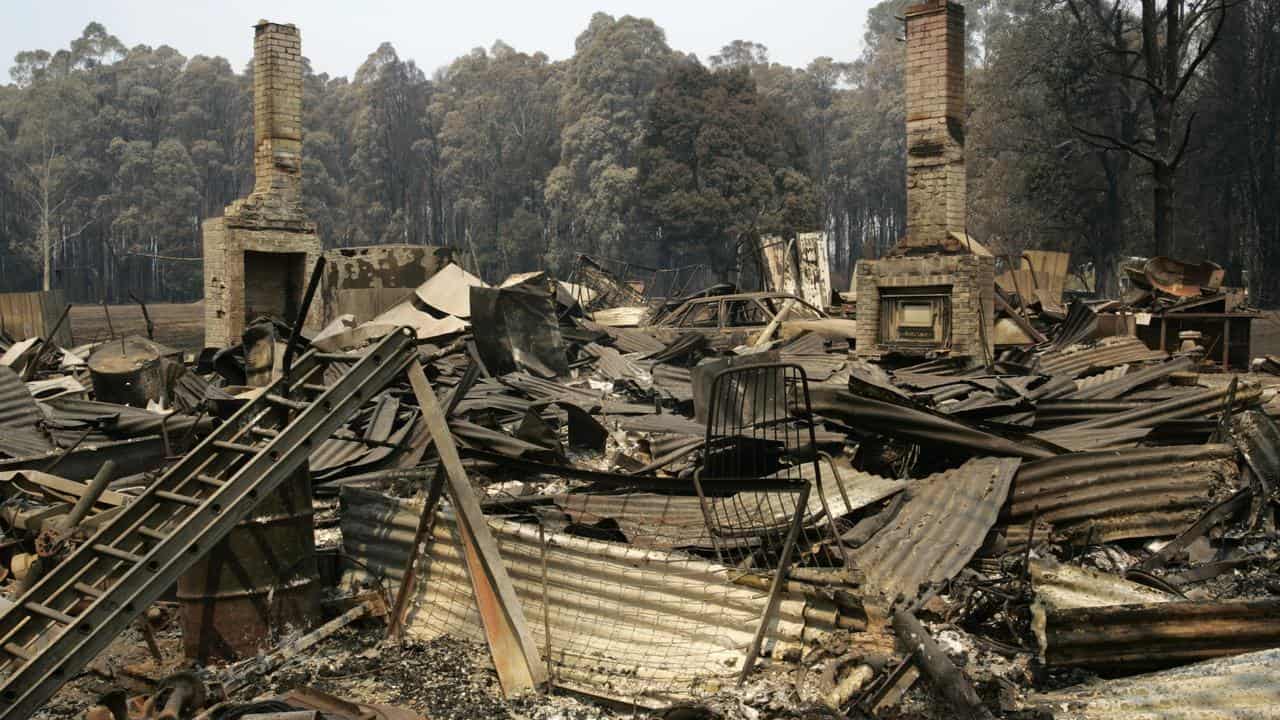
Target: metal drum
<point x="258" y="583"/>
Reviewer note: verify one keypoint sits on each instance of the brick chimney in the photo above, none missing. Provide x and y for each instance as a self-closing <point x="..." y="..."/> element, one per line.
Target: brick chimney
<point x="258" y="255"/>
<point x="277" y="109"/>
<point x="935" y="125"/>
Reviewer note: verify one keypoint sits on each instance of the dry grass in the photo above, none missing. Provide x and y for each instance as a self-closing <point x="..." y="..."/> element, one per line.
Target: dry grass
<point x="180" y="326"/>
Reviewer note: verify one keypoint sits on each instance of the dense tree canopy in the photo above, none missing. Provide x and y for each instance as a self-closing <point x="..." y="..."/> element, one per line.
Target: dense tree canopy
<point x="1082" y="135"/>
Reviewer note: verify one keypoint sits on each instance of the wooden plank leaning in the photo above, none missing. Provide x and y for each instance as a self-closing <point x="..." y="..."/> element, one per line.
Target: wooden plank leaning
<point x="520" y="667"/>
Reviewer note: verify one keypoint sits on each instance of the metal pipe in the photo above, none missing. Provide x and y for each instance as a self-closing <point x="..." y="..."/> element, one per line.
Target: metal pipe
<point x="296" y="331"/>
<point x="90" y="496"/>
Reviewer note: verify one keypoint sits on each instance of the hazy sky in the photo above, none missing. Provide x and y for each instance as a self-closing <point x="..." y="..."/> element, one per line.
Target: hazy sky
<point x="337" y="36"/>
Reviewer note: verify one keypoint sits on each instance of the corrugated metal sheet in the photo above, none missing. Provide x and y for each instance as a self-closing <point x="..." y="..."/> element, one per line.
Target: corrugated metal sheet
<point x="1089" y="384"/>
<point x="1061" y="586"/>
<point x="70" y="417"/>
<point x="914" y="424"/>
<point x="642" y="626"/>
<point x="1113" y="387"/>
<point x="1106" y="353"/>
<point x="17" y="407"/>
<point x="665" y="423"/>
<point x="18" y="442"/>
<point x="937" y="530"/>
<point x="1258" y="438"/>
<point x="1195" y="403"/>
<point x="1153" y="635"/>
<point x="613" y="365"/>
<point x="677" y="521"/>
<point x="675" y="381"/>
<point x="1129" y="493"/>
<point x="1244" y="687"/>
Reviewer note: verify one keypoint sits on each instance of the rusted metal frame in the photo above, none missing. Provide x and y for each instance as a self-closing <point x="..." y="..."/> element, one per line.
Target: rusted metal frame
<point x="34" y="363"/>
<point x="1223" y="431"/>
<point x="142" y="574"/>
<point x="1217" y="514"/>
<point x="295" y="332"/>
<point x="514" y="653"/>
<point x="775" y="587"/>
<point x="424" y="534"/>
<point x="546" y="603"/>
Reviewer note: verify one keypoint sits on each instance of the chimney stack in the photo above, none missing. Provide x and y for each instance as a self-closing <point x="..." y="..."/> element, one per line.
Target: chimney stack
<point x="935" y="126"/>
<point x="277" y="110"/>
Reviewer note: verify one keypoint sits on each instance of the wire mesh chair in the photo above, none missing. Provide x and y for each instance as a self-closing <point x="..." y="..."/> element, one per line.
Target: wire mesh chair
<point x="759" y="432"/>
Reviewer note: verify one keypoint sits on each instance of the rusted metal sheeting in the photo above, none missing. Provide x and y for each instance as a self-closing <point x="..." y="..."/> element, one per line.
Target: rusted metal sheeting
<point x="613" y="365"/>
<point x="1258" y="438"/>
<point x="937" y="530"/>
<point x="1106" y="353"/>
<point x="675" y="381"/>
<point x="629" y="340"/>
<point x="677" y="521"/>
<point x="1114" y="387"/>
<point x="1243" y="687"/>
<point x="1196" y="403"/>
<point x="1130" y="493"/>
<point x="17" y="407"/>
<point x="1151" y="635"/>
<point x="899" y="421"/>
<point x="641" y="626"/>
<point x="1093" y="381"/>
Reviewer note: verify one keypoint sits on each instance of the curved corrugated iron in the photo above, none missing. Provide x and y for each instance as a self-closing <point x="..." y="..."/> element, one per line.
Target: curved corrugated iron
<point x="1127" y="493"/>
<point x="642" y="626"/>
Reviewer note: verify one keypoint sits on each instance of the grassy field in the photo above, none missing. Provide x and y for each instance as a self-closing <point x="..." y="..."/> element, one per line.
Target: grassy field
<point x="178" y="326"/>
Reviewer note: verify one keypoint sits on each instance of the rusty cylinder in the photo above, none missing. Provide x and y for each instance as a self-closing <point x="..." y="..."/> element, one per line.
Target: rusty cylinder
<point x="258" y="583"/>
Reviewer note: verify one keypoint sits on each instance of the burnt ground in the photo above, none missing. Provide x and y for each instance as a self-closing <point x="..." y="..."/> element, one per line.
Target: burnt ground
<point x="444" y="679"/>
<point x="180" y="326"/>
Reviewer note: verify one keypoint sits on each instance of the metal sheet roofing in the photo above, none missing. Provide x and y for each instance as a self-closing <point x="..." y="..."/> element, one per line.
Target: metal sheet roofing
<point x="1244" y="687"/>
<point x="1106" y="353"/>
<point x="17" y="407"/>
<point x="937" y="530"/>
<point x="1127" y="493"/>
<point x="641" y="626"/>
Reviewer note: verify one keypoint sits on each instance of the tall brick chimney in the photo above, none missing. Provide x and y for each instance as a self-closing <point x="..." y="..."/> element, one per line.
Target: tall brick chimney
<point x="277" y="109"/>
<point x="258" y="255"/>
<point x="935" y="125"/>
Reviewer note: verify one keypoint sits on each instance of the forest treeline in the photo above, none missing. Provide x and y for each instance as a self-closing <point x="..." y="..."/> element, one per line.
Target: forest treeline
<point x="1093" y="127"/>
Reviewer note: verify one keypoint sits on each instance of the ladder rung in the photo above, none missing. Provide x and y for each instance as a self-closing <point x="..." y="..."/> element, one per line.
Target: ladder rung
<point x="49" y="612"/>
<point x="18" y="651"/>
<point x="285" y="402"/>
<point x="117" y="553"/>
<point x="313" y="387"/>
<point x="237" y="447"/>
<point x="152" y="533"/>
<point x="344" y="357"/>
<point x="210" y="480"/>
<point x="87" y="589"/>
<point x="179" y="498"/>
<point x="263" y="432"/>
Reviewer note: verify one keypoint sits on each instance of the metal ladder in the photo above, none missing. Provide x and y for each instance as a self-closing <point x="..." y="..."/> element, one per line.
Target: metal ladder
<point x="88" y="599"/>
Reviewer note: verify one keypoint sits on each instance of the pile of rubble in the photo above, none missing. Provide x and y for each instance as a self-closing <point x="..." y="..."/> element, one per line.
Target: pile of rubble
<point x="633" y="517"/>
